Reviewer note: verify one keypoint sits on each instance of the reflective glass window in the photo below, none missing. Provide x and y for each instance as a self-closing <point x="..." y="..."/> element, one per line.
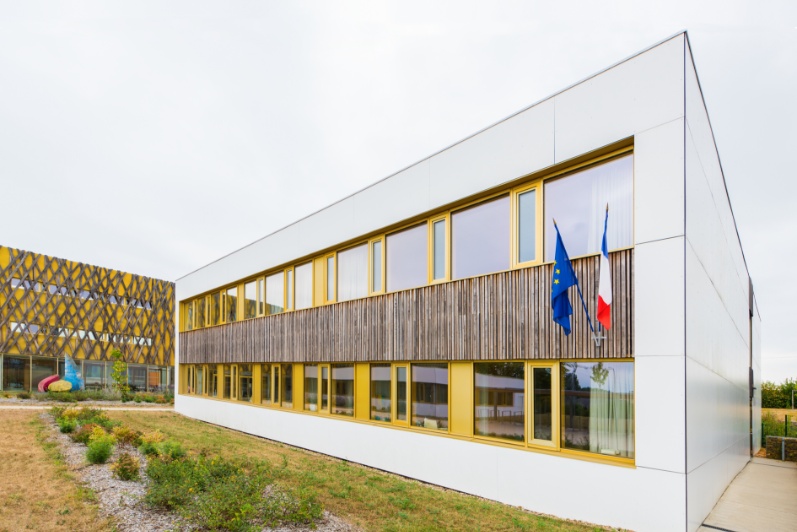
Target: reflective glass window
<point x="380" y="392"/>
<point x="407" y="254"/>
<point x="245" y="382"/>
<point x="598" y="405"/>
<point x="311" y="387"/>
<point x="304" y="286"/>
<point x="542" y="425"/>
<point x="480" y="239"/>
<point x="376" y="266"/>
<point x="265" y="384"/>
<point x="250" y="300"/>
<point x="231" y="304"/>
<point x="500" y="400"/>
<point x="353" y="273"/>
<point x="287" y="385"/>
<point x="578" y="204"/>
<point x="214" y="302"/>
<point x="527" y="226"/>
<point x="430" y="396"/>
<point x="439" y="244"/>
<point x="275" y="293"/>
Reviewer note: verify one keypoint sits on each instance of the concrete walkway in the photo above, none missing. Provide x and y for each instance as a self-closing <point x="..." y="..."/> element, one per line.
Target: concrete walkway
<point x="761" y="498"/>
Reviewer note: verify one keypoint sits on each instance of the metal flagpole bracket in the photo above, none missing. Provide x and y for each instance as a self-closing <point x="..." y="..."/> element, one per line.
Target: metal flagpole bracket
<point x="597" y="338"/>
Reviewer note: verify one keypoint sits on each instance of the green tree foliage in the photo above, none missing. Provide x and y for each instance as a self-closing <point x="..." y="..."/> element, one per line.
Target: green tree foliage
<point x="119" y="375"/>
<point x="778" y="395"/>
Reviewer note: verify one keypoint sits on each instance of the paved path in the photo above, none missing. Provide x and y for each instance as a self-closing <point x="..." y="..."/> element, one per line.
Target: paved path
<point x="760" y="498"/>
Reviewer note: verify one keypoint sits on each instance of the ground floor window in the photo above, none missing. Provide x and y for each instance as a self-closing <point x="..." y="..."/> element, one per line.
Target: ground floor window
<point x="583" y="406"/>
<point x="430" y="396"/>
<point x="16" y="373"/>
<point x="598" y="401"/>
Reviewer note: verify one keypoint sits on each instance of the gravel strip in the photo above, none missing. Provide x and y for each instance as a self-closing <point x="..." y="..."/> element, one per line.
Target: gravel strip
<point x="123" y="500"/>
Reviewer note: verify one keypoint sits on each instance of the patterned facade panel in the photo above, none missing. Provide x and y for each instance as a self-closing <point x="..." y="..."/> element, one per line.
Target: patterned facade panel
<point x="502" y="316"/>
<point x="54" y="307"/>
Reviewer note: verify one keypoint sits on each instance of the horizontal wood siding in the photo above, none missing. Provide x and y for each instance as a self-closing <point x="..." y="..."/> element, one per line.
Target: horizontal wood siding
<point x="502" y="316"/>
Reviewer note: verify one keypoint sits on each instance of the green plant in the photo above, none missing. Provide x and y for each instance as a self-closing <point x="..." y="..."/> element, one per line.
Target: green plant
<point x="83" y="434"/>
<point x="126" y="467"/>
<point x="66" y="425"/>
<point x="23" y="395"/>
<point x="100" y="446"/>
<point x="126" y="436"/>
<point x="170" y="450"/>
<point x="149" y="442"/>
<point x="778" y="395"/>
<point x="119" y="375"/>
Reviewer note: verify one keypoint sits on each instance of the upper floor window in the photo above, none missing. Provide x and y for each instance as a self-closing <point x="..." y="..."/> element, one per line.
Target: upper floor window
<point x="304" y="286"/>
<point x="231" y="304"/>
<point x="250" y="300"/>
<point x="275" y="293"/>
<point x="407" y="253"/>
<point x="578" y="204"/>
<point x="480" y="239"/>
<point x="352" y="273"/>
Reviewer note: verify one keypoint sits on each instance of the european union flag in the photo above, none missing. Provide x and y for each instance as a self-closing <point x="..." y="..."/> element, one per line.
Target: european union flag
<point x="563" y="278"/>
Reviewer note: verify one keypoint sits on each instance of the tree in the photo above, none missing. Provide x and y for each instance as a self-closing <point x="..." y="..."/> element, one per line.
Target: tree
<point x="119" y="375"/>
<point x="778" y="395"/>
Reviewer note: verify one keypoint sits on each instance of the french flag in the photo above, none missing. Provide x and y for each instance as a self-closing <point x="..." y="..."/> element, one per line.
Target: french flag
<point x="605" y="284"/>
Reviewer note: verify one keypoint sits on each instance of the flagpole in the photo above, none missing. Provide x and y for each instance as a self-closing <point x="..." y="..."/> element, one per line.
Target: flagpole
<point x="578" y="285"/>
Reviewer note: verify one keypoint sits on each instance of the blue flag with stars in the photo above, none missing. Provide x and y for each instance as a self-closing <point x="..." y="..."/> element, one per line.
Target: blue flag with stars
<point x="563" y="278"/>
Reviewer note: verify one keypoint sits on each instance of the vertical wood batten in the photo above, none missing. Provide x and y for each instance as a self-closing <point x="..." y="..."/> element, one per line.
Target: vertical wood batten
<point x="502" y="316"/>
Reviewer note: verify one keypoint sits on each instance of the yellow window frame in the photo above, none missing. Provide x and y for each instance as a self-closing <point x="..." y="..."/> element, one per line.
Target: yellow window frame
<point x="383" y="270"/>
<point x="446" y="219"/>
<point x="514" y="229"/>
<point x="556" y="400"/>
<point x="394" y="370"/>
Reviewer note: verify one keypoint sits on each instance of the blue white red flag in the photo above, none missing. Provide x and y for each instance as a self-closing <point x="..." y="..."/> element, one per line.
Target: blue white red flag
<point x="605" y="283"/>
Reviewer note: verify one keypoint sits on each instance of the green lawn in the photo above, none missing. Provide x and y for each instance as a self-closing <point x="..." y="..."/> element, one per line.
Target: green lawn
<point x="371" y="499"/>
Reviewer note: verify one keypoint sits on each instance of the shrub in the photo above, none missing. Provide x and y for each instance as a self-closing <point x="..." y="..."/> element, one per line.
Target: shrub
<point x="126" y="436"/>
<point x="137" y="398"/>
<point x="226" y="494"/>
<point x="66" y="425"/>
<point x="100" y="446"/>
<point x="23" y="395"/>
<point x="126" y="467"/>
<point x="70" y="413"/>
<point x="170" y="450"/>
<point x="149" y="442"/>
<point x="83" y="434"/>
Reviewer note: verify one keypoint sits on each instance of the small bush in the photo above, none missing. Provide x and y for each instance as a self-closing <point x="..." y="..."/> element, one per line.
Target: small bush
<point x="126" y="467"/>
<point x="137" y="398"/>
<point x="23" y="395"/>
<point x="170" y="450"/>
<point x="126" y="436"/>
<point x="70" y="413"/>
<point x="66" y="425"/>
<point x="83" y="434"/>
<point x="100" y="446"/>
<point x="149" y="442"/>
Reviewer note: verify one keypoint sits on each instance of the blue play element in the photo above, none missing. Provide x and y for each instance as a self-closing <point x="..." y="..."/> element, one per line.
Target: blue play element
<point x="72" y="375"/>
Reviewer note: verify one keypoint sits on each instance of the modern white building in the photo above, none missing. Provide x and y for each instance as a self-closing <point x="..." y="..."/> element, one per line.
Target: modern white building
<point x="408" y="326"/>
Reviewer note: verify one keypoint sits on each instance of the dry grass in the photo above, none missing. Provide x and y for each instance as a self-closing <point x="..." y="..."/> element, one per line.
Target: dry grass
<point x="371" y="499"/>
<point x="780" y="413"/>
<point x="37" y="492"/>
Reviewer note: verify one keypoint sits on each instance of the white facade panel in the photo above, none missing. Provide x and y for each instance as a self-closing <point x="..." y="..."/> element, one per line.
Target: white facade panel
<point x="511" y="476"/>
<point x="638" y="94"/>
<point x="518" y="146"/>
<point x="660" y="405"/>
<point x="397" y="198"/>
<point x="659" y="182"/>
<point x="756" y="356"/>
<point x="659" y="298"/>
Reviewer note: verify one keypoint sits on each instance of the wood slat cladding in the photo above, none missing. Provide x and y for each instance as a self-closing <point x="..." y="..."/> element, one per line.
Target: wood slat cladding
<point x="503" y="316"/>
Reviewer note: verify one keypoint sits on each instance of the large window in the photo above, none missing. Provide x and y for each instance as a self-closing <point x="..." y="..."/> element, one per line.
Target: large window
<point x="275" y="293"/>
<point x="430" y="396"/>
<point x="16" y="373"/>
<point x="311" y="387"/>
<point x="287" y="386"/>
<point x="542" y="404"/>
<point x="353" y="273"/>
<point x="304" y="286"/>
<point x="231" y="304"/>
<point x="407" y="253"/>
<point x="480" y="239"/>
<point x="380" y="392"/>
<point x="578" y="204"/>
<point x="500" y="400"/>
<point x="250" y="300"/>
<point x="598" y="401"/>
<point x="343" y="389"/>
<point x="265" y="384"/>
<point x="245" y="382"/>
<point x="215" y="308"/>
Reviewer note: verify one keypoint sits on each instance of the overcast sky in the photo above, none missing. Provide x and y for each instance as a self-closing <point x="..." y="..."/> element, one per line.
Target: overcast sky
<point x="154" y="137"/>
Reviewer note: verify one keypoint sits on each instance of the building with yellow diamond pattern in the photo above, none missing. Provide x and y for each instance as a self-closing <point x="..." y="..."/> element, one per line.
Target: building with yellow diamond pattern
<point x="51" y="308"/>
